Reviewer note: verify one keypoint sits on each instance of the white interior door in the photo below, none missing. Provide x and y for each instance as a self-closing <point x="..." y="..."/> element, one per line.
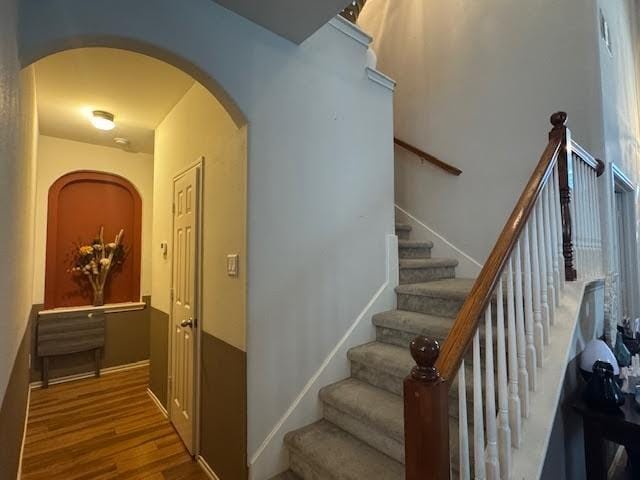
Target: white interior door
<point x="184" y="306"/>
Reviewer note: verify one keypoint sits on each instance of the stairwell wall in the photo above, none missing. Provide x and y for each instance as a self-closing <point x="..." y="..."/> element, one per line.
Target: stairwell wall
<point x="320" y="171"/>
<point x="477" y="82"/>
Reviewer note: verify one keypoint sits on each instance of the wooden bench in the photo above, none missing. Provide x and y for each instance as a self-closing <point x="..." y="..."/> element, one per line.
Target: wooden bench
<point x="72" y="333"/>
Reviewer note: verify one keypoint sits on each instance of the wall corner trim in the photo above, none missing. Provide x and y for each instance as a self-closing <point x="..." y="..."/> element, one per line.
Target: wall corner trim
<point x="207" y="469"/>
<point x="351" y="30"/>
<point x="155" y="400"/>
<point x="312" y="386"/>
<point x="381" y="79"/>
<point x="24" y="435"/>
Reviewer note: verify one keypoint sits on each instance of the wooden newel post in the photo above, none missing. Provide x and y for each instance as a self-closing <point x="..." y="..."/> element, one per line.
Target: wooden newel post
<point x="426" y="415"/>
<point x="565" y="176"/>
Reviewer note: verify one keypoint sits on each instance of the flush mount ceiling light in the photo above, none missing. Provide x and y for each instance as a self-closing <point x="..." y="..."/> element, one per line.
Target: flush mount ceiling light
<point x="102" y="120"/>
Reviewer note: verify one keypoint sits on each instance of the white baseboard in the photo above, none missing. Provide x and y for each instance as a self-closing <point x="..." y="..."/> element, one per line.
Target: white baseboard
<point x="158" y="403"/>
<point x="270" y="458"/>
<point x="24" y="434"/>
<point x="207" y="469"/>
<point x="468" y="267"/>
<point x="103" y="371"/>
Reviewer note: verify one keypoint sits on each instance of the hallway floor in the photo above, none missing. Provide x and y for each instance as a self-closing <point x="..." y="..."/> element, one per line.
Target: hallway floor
<point x="103" y="428"/>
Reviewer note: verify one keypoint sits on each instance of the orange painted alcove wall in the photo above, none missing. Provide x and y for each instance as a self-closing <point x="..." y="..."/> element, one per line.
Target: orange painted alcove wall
<point x="79" y="204"/>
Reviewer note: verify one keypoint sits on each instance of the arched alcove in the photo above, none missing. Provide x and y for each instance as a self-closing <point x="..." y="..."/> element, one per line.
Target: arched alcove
<point x="80" y="203"/>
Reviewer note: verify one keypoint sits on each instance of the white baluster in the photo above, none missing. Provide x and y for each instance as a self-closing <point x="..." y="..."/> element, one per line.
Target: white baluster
<point x="548" y="245"/>
<point x="463" y="426"/>
<point x="523" y="375"/>
<point x="515" y="412"/>
<point x="574" y="213"/>
<point x="504" y="431"/>
<point x="595" y="225"/>
<point x="538" y="330"/>
<point x="586" y="170"/>
<point x="528" y="311"/>
<point x="553" y="229"/>
<point x="478" y="420"/>
<point x="558" y="230"/>
<point x="582" y="211"/>
<point x="600" y="267"/>
<point x="542" y="267"/>
<point x="492" y="461"/>
<point x="577" y="205"/>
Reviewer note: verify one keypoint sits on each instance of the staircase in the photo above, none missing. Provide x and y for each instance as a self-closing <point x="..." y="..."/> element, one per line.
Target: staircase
<point x="361" y="435"/>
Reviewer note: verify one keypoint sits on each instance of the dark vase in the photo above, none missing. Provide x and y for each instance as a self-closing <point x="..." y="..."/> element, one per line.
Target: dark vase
<point x="602" y="391"/>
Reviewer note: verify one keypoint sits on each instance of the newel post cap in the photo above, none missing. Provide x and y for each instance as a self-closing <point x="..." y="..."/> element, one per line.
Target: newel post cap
<point x="559" y="119"/>
<point x="425" y="352"/>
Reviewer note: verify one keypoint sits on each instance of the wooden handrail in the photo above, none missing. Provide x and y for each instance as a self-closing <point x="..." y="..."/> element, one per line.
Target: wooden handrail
<point x="467" y="321"/>
<point x="428" y="157"/>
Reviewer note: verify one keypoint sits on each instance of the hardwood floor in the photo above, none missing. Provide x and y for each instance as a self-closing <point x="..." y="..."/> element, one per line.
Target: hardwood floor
<point x="103" y="428"/>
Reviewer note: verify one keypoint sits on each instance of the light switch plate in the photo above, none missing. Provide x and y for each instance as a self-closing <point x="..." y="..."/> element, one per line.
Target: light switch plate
<point x="232" y="265"/>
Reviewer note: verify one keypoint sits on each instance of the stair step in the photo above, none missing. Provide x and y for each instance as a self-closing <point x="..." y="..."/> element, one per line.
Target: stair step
<point x="403" y="231"/>
<point x="400" y="327"/>
<point x="414" y="249"/>
<point x="381" y="365"/>
<point x="324" y="451"/>
<point x="372" y="415"/>
<point x="419" y="270"/>
<point x="441" y="298"/>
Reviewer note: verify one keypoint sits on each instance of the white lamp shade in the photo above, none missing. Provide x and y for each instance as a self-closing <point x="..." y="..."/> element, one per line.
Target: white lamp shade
<point x="597" y="350"/>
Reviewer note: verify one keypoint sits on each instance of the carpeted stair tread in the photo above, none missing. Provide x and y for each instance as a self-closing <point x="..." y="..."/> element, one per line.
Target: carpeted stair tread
<point x="416" y="263"/>
<point x="332" y="453"/>
<point x="414" y="323"/>
<point x="373" y="406"/>
<point x="452" y="288"/>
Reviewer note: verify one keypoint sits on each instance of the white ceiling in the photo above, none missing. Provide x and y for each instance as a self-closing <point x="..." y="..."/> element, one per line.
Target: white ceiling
<point x="137" y="89"/>
<point x="292" y="19"/>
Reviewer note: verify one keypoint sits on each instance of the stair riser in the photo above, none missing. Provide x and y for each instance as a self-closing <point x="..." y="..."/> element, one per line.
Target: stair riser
<point x="414" y="252"/>
<point x="303" y="469"/>
<point x="366" y="433"/>
<point x="420" y="275"/>
<point x="403" y="234"/>
<point x="402" y="338"/>
<point x="438" y="306"/>
<point x="377" y="378"/>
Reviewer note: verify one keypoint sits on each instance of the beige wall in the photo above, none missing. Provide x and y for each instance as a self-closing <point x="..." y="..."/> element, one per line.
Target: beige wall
<point x="477" y="82"/>
<point x="57" y="157"/>
<point x="199" y="126"/>
<point x="18" y="143"/>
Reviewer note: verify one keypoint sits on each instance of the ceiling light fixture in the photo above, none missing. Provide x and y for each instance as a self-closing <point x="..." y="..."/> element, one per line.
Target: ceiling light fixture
<point x="102" y="120"/>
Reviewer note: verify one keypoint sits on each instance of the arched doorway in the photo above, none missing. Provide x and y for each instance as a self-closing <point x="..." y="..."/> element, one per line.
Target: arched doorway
<point x="188" y="132"/>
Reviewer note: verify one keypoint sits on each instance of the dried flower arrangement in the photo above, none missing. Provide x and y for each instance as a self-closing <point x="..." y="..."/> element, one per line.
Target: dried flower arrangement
<point x="96" y="260"/>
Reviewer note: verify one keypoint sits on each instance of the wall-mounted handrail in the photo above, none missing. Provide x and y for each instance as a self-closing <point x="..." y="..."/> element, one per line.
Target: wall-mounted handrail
<point x="428" y="157"/>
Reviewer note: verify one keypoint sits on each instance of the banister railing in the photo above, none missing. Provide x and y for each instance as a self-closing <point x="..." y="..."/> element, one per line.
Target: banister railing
<point x="427" y="157"/>
<point x="551" y="236"/>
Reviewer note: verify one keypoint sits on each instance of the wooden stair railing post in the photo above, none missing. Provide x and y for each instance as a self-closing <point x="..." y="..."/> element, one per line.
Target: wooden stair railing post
<point x="565" y="180"/>
<point x="426" y="415"/>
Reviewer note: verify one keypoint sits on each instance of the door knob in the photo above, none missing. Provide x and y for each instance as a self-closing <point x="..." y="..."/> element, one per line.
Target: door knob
<point x="187" y="323"/>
